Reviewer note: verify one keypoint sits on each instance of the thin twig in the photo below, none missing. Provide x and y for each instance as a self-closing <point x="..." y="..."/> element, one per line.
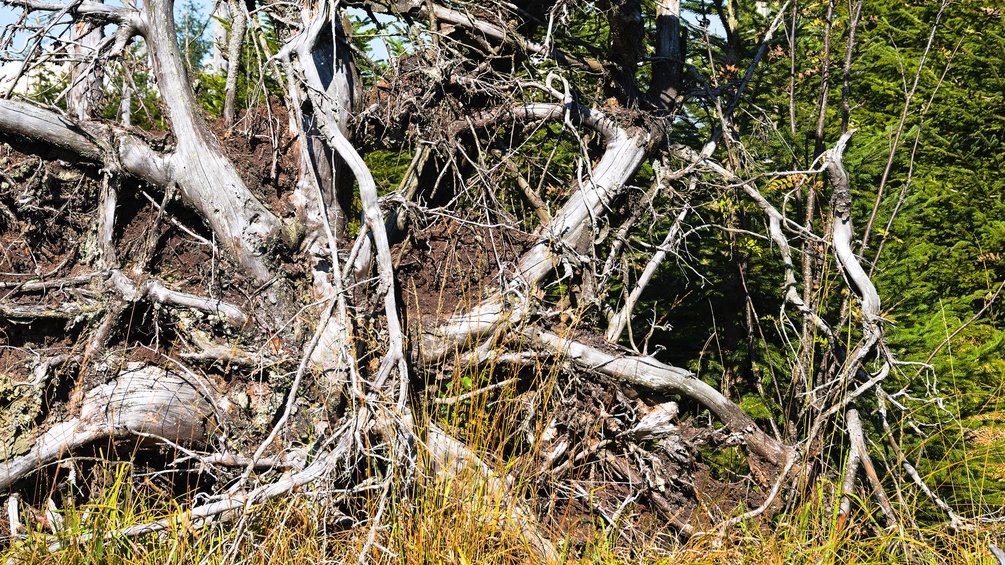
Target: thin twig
<point x="468" y="395"/>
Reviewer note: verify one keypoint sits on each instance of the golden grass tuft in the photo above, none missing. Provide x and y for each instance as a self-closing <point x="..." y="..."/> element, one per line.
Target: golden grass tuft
<point x="457" y="523"/>
<point x="462" y="521"/>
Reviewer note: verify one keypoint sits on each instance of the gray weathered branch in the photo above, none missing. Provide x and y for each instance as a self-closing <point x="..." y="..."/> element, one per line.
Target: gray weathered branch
<point x="624" y="152"/>
<point x="142" y="400"/>
<point x="650" y="373"/>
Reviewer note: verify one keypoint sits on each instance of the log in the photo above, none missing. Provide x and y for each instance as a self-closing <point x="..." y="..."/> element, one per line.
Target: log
<point x="144" y="401"/>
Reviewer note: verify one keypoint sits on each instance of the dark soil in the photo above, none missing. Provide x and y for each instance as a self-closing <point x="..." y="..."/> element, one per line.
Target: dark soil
<point x="453" y="264"/>
<point x="261" y="147"/>
<point x="47" y="231"/>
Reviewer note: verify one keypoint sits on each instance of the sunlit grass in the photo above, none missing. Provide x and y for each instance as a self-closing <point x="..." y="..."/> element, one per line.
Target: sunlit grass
<point x="458" y="523"/>
<point x="464" y="520"/>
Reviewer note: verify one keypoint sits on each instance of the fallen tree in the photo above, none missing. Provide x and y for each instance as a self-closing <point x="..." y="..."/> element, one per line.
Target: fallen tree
<point x="257" y="328"/>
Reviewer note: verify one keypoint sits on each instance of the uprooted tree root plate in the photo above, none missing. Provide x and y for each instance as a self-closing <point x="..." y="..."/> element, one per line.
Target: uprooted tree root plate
<point x="239" y="312"/>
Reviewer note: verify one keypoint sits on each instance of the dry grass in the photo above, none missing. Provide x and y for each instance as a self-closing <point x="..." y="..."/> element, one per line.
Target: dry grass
<point x="442" y="527"/>
<point x="463" y="521"/>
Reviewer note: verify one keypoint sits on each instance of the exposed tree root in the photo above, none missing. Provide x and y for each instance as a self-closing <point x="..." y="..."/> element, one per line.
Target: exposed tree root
<point x="142" y="401"/>
<point x="653" y="375"/>
<point x="521" y="326"/>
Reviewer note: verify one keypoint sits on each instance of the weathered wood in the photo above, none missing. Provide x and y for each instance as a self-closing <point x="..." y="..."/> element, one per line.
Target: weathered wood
<point x="651" y="374"/>
<point x="623" y="155"/>
<point x="842" y="233"/>
<point x="206" y="177"/>
<point x="146" y="399"/>
<point x="26" y="313"/>
<point x="85" y="78"/>
<point x="238" y="23"/>
<point x="143" y="401"/>
<point x="34" y="123"/>
<point x="656" y="423"/>
<point x="323" y="89"/>
<point x="153" y="290"/>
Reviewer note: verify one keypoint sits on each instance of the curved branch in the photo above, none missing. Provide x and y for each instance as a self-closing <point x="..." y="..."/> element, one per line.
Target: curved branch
<point x="374" y="219"/>
<point x="651" y="374"/>
<point x="153" y="290"/>
<point x="143" y="400"/>
<point x="842" y="234"/>
<point x="332" y="99"/>
<point x="324" y="90"/>
<point x="624" y="152"/>
<point x="36" y="124"/>
<point x="205" y="175"/>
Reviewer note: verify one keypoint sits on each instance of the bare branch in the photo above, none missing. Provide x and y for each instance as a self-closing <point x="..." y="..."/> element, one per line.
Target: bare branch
<point x="623" y="317"/>
<point x="153" y="290"/>
<point x="206" y="176"/>
<point x="86" y="8"/>
<point x="841" y="235"/>
<point x="623" y="155"/>
<point x="650" y="373"/>
<point x="445" y="15"/>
